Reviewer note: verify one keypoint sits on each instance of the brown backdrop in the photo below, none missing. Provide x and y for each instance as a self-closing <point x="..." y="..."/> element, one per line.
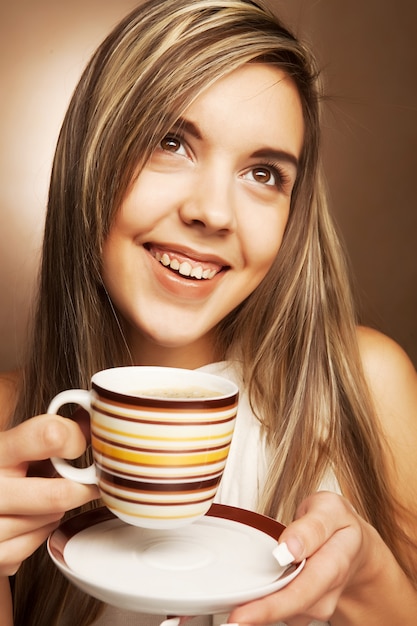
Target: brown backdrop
<point x="368" y="53"/>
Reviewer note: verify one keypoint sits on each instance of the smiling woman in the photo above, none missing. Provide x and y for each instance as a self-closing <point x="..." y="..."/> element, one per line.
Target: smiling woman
<point x="187" y="226"/>
<point x="208" y="203"/>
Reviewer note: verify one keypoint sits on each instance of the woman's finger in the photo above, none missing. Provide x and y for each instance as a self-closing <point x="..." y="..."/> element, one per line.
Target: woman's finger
<point x="40" y="438"/>
<point x="314" y="526"/>
<point x="332" y="545"/>
<point x="15" y="526"/>
<point x="43" y="496"/>
<point x="306" y="597"/>
<point x="15" y="551"/>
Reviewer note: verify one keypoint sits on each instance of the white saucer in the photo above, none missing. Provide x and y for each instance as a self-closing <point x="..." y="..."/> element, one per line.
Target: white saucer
<point x="210" y="566"/>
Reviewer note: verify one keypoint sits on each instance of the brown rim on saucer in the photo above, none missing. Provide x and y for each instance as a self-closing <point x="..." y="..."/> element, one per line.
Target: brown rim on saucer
<point x="267" y="525"/>
<point x="76" y="524"/>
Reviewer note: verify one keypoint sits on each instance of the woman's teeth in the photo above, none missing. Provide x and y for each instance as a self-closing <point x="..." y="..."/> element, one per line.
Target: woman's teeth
<point x="185" y="268"/>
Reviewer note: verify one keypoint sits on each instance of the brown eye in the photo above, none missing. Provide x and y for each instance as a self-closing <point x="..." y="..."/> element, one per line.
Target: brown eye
<point x="170" y="144"/>
<point x="263" y="175"/>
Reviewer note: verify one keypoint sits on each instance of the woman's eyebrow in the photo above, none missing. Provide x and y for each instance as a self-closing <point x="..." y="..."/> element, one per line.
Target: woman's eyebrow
<point x="269" y="153"/>
<point x="189" y="127"/>
<point x="276" y="155"/>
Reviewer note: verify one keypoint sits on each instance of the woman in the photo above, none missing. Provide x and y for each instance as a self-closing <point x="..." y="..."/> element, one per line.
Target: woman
<point x="187" y="226"/>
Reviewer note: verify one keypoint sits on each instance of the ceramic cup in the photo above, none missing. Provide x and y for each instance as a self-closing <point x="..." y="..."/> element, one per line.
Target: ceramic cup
<point x="160" y="438"/>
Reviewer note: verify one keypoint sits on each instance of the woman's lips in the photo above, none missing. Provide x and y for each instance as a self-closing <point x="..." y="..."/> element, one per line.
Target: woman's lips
<point x="185" y="265"/>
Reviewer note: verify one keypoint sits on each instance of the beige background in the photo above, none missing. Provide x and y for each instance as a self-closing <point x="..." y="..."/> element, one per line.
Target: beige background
<point x="368" y="52"/>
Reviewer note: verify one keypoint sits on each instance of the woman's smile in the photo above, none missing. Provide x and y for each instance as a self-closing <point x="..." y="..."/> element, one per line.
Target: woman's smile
<point x="182" y="275"/>
<point x="203" y="221"/>
<point x="189" y="266"/>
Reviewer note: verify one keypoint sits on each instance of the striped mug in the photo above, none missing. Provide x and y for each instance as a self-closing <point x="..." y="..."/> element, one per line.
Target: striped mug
<point x="160" y="437"/>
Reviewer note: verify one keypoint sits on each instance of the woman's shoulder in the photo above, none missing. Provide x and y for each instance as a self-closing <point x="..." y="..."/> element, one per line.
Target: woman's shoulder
<point x="392" y="380"/>
<point x="386" y="364"/>
<point x="9" y="383"/>
<point x="390" y="373"/>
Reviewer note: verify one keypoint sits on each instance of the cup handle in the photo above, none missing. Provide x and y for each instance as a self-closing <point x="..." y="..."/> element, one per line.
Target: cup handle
<point x="84" y="475"/>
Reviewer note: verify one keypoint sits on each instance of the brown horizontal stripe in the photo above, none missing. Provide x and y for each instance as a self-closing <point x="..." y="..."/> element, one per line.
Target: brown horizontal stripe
<point x="152" y="504"/>
<point x="163" y="514"/>
<point x="136" y="473"/>
<point x="159" y="466"/>
<point x="167" y="451"/>
<point x="145" y="420"/>
<point x="215" y="473"/>
<point x="190" y="404"/>
<point x="103" y="430"/>
<point x="138" y="485"/>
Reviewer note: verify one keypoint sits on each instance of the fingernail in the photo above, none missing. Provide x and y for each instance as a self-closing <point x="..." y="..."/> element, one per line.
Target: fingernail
<point x="283" y="555"/>
<point x="172" y="621"/>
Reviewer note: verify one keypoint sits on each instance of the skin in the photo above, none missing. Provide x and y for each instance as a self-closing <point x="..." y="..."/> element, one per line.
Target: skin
<point x="212" y="201"/>
<point x="214" y="197"/>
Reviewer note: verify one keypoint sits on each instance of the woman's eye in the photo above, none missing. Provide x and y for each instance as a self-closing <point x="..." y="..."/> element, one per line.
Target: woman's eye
<point x="263" y="175"/>
<point x="171" y="143"/>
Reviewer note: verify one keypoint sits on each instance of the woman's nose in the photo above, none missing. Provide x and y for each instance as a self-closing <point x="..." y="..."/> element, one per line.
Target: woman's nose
<point x="210" y="204"/>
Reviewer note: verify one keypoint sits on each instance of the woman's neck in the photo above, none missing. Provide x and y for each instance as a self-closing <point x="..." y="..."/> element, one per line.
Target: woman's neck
<point x="190" y="356"/>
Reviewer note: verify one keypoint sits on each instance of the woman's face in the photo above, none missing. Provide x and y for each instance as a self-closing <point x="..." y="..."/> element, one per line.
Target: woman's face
<point x="202" y="223"/>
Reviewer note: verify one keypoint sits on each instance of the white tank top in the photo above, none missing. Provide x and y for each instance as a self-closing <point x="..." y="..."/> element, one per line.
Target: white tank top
<point x="117" y="617"/>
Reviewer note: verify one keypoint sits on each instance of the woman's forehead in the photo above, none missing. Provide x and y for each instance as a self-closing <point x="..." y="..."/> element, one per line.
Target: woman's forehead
<point x="259" y="100"/>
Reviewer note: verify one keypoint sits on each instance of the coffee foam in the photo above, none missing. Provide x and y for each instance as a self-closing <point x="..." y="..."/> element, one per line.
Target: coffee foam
<point x="175" y="392"/>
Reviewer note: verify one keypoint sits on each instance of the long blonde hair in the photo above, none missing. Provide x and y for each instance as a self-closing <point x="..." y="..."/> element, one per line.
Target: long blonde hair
<point x="295" y="335"/>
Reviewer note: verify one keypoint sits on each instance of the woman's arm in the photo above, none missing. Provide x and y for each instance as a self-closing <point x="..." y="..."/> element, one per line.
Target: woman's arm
<point x="351" y="577"/>
<point x="392" y="380"/>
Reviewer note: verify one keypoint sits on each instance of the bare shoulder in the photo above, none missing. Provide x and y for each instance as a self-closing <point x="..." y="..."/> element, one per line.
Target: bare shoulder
<point x="392" y="380"/>
<point x="9" y="382"/>
<point x="387" y="367"/>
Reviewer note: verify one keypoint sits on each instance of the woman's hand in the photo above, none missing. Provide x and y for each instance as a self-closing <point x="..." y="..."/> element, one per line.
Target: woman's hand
<point x="32" y="506"/>
<point x="345" y="556"/>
